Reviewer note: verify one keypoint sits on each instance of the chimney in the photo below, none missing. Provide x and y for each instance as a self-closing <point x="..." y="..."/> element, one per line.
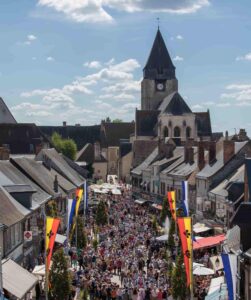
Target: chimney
<point x="228" y="149"/>
<point x="201" y="155"/>
<point x="56" y="184"/>
<point x="77" y="125"/>
<point x="39" y="147"/>
<point x="97" y="151"/>
<point x="4" y="153"/>
<point x="212" y="152"/>
<point x="190" y="155"/>
<point x="64" y="123"/>
<point x="243" y="135"/>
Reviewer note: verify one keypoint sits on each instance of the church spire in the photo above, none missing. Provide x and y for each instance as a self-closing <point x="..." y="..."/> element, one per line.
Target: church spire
<point x="159" y="64"/>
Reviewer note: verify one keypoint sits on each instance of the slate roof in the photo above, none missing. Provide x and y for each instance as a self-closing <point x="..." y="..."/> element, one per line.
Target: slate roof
<point x="5" y="114"/>
<point x="10" y="175"/>
<point x="159" y="64"/>
<point x="39" y="174"/>
<point x="125" y="147"/>
<point x="80" y="134"/>
<point x="86" y="154"/>
<point x="21" y="138"/>
<point x="203" y="122"/>
<point x="79" y="169"/>
<point x="146" y="121"/>
<point x="175" y="105"/>
<point x="112" y="133"/>
<point x="11" y="212"/>
<point x="52" y="158"/>
<point x="138" y="170"/>
<point x="142" y="149"/>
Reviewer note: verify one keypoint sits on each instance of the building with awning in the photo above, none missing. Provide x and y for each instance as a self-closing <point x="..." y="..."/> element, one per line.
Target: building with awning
<point x="16" y="280"/>
<point x="208" y="242"/>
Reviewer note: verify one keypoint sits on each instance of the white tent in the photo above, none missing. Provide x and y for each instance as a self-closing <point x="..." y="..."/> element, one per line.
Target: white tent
<point x="162" y="238"/>
<point x="116" y="192"/>
<point x="215" y="284"/>
<point x="202" y="271"/>
<point x="39" y="270"/>
<point x="200" y="227"/>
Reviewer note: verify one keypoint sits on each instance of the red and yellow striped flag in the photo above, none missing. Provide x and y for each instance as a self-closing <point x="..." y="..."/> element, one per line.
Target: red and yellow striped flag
<point x="51" y="232"/>
<point x="171" y="197"/>
<point x="185" y="228"/>
<point x="79" y="197"/>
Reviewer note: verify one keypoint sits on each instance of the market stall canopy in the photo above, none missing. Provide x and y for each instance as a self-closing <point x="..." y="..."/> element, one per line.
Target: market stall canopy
<point x="39" y="270"/>
<point x="116" y="192"/>
<point x="215" y="284"/>
<point x="16" y="280"/>
<point x="200" y="227"/>
<point x="162" y="238"/>
<point x="202" y="271"/>
<point x="157" y="206"/>
<point x="140" y="201"/>
<point x="60" y="239"/>
<point x="220" y="294"/>
<point x="208" y="241"/>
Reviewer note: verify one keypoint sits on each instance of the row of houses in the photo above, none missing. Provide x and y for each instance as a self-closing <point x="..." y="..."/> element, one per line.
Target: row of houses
<point x="215" y="171"/>
<point x="30" y="187"/>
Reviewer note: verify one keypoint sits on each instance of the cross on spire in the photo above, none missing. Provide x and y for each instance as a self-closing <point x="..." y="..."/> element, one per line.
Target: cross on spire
<point x="158" y="20"/>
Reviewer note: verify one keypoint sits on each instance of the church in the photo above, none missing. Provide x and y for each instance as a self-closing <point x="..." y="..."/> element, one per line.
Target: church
<point x="164" y="113"/>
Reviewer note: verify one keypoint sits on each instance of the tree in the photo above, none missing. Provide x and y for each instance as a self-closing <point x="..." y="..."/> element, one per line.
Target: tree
<point x="117" y="121"/>
<point x="95" y="244"/>
<point x="178" y="279"/>
<point x="170" y="241"/>
<point x="81" y="236"/>
<point x="165" y="210"/>
<point x="67" y="146"/>
<point x="59" y="277"/>
<point x="69" y="149"/>
<point x="155" y="224"/>
<point x="51" y="209"/>
<point x="101" y="215"/>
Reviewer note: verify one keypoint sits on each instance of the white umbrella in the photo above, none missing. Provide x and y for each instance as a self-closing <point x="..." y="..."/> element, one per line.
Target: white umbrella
<point x="162" y="238"/>
<point x="202" y="271"/>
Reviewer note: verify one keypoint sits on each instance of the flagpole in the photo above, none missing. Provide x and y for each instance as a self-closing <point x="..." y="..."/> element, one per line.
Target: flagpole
<point x="192" y="282"/>
<point x="1" y="276"/>
<point x="45" y="257"/>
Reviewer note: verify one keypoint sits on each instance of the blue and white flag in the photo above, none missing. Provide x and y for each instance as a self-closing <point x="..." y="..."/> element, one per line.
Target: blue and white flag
<point x="86" y="197"/>
<point x="71" y="212"/>
<point x="230" y="268"/>
<point x="185" y="198"/>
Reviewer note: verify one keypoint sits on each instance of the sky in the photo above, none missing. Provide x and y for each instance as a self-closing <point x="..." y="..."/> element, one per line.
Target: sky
<point x="81" y="61"/>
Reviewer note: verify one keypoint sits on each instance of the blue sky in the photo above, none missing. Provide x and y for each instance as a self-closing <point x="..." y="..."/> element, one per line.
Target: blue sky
<point x="81" y="61"/>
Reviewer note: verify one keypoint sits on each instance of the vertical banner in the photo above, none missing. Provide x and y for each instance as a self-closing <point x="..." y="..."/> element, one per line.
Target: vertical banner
<point x="51" y="232"/>
<point x="185" y="198"/>
<point x="230" y="268"/>
<point x="86" y="197"/>
<point x="79" y="198"/>
<point x="185" y="228"/>
<point x="71" y="212"/>
<point x="171" y="197"/>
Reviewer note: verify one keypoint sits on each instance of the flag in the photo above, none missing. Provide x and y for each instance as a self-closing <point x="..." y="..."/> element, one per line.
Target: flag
<point x="185" y="198"/>
<point x="51" y="232"/>
<point x="79" y="197"/>
<point x="230" y="268"/>
<point x="86" y="197"/>
<point x="171" y="197"/>
<point x="71" y="212"/>
<point x="185" y="228"/>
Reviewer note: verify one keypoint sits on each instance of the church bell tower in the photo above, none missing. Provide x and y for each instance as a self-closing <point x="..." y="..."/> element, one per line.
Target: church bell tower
<point x="159" y="78"/>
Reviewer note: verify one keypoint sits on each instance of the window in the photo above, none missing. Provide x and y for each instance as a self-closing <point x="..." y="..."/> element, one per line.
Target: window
<point x="188" y="132"/>
<point x="165" y="132"/>
<point x="176" y="131"/>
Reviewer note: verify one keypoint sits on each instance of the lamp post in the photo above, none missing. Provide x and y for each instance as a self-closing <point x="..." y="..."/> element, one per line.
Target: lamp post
<point x="1" y="276"/>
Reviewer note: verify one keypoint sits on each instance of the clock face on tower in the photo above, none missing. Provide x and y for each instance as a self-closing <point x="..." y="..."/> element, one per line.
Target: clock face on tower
<point x="160" y="86"/>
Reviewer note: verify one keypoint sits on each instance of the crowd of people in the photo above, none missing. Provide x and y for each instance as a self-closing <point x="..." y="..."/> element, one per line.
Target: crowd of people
<point x="129" y="263"/>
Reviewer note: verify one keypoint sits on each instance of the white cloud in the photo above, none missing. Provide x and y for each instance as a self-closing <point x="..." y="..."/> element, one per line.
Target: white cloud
<point x="178" y="58"/>
<point x="224" y="104"/>
<point x="197" y="107"/>
<point x="50" y="58"/>
<point x="31" y="37"/>
<point x="93" y="64"/>
<point x="97" y="10"/>
<point x="209" y="103"/>
<point x="245" y="57"/>
<point x="238" y="92"/>
<point x="40" y="113"/>
<point x="179" y="37"/>
<point x="34" y="58"/>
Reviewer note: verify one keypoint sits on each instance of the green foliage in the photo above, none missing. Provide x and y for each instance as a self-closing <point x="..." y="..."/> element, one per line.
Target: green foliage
<point x="59" y="277"/>
<point x="82" y="240"/>
<point x="101" y="215"/>
<point x="67" y="146"/>
<point x="117" y="121"/>
<point x="178" y="279"/>
<point x="51" y="209"/>
<point x="95" y="244"/>
<point x="170" y="241"/>
<point x="165" y="210"/>
<point x="155" y="224"/>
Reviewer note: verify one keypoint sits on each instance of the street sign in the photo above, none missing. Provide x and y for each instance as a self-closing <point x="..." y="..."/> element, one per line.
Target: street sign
<point x="27" y="236"/>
